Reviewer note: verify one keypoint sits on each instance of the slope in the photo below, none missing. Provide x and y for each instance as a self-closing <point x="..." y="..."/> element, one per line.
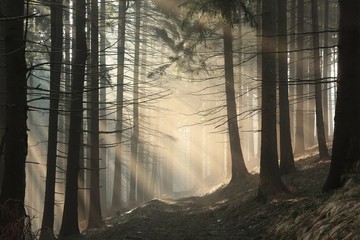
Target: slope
<point x="232" y="212"/>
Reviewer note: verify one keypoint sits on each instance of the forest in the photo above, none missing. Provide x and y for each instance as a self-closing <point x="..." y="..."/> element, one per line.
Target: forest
<point x="179" y="119"/>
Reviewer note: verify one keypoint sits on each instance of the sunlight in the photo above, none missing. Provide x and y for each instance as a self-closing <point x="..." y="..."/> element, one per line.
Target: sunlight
<point x="179" y="102"/>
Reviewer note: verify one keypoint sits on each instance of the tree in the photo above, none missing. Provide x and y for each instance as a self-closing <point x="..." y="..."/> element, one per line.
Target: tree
<point x="345" y="152"/>
<point x="2" y="100"/>
<point x="286" y="154"/>
<point x="69" y="225"/>
<point x="15" y="139"/>
<point x="270" y="180"/>
<point x="326" y="69"/>
<point x="258" y="68"/>
<point x="135" y="133"/>
<point x="237" y="160"/>
<point x="103" y="110"/>
<point x="47" y="225"/>
<point x="299" y="124"/>
<point x="229" y="11"/>
<point x="292" y="65"/>
<point x="142" y="188"/>
<point x="116" y="199"/>
<point x="95" y="218"/>
<point x="323" y="150"/>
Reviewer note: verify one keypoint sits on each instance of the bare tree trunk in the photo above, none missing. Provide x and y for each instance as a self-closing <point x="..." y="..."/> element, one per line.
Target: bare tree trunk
<point x="323" y="150"/>
<point x="116" y="204"/>
<point x="95" y="218"/>
<point x="299" y="126"/>
<point x="103" y="121"/>
<point x="286" y="155"/>
<point x="326" y="69"/>
<point x="292" y="68"/>
<point x="69" y="224"/>
<point x="47" y="226"/>
<point x="345" y="152"/>
<point x="135" y="134"/>
<point x="15" y="139"/>
<point x="270" y="181"/>
<point x="3" y="97"/>
<point x="258" y="71"/>
<point x="239" y="170"/>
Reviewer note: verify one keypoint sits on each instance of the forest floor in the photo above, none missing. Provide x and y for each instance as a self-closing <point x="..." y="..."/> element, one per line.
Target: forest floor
<point x="233" y="212"/>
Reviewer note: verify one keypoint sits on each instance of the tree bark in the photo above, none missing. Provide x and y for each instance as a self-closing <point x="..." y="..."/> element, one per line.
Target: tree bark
<point x="270" y="181"/>
<point x="69" y="225"/>
<point x="95" y="216"/>
<point x="326" y="69"/>
<point x="238" y="168"/>
<point x="15" y="139"/>
<point x="3" y="97"/>
<point x="346" y="151"/>
<point x="135" y="134"/>
<point x="103" y="121"/>
<point x="258" y="72"/>
<point x="47" y="225"/>
<point x="320" y="129"/>
<point x="292" y="68"/>
<point x="299" y="124"/>
<point x="116" y="204"/>
<point x="286" y="154"/>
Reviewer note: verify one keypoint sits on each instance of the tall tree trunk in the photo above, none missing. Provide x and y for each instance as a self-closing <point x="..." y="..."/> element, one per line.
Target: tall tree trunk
<point x="102" y="111"/>
<point x="286" y="155"/>
<point x="2" y="98"/>
<point x="258" y="71"/>
<point x="69" y="225"/>
<point x="270" y="181"/>
<point x="292" y="67"/>
<point x="142" y="189"/>
<point x="241" y="89"/>
<point x="47" y="225"/>
<point x="309" y="89"/>
<point x="68" y="43"/>
<point x="346" y="151"/>
<point x="299" y="124"/>
<point x="239" y="170"/>
<point x="116" y="204"/>
<point x="326" y="69"/>
<point x="320" y="130"/>
<point x="95" y="218"/>
<point x="15" y="138"/>
<point x="135" y="134"/>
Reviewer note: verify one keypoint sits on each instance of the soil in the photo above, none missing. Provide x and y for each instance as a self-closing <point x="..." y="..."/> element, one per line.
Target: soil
<point x="229" y="212"/>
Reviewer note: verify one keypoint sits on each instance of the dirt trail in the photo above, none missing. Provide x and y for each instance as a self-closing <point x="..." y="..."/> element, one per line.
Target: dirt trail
<point x="230" y="212"/>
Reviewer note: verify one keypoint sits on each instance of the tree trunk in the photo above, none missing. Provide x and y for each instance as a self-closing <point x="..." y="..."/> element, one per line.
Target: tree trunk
<point x="95" y="218"/>
<point x="299" y="124"/>
<point x="3" y="97"/>
<point x="135" y="134"/>
<point x="286" y="155"/>
<point x="237" y="160"/>
<point x="326" y="69"/>
<point x="258" y="72"/>
<point x="103" y="112"/>
<point x="323" y="150"/>
<point x="47" y="226"/>
<point x="346" y="152"/>
<point x="116" y="204"/>
<point x="292" y="68"/>
<point x="270" y="181"/>
<point x="69" y="224"/>
<point x="15" y="138"/>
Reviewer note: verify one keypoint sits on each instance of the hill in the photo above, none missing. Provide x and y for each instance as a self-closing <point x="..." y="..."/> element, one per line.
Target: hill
<point x="233" y="212"/>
